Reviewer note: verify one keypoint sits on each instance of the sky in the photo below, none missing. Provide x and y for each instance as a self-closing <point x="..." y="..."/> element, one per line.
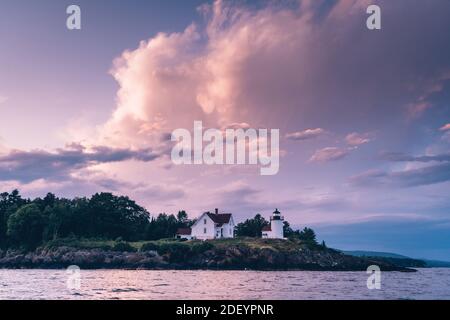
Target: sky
<point x="364" y="115"/>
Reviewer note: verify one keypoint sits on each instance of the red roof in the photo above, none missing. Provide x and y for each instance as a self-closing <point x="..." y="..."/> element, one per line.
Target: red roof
<point x="267" y="228"/>
<point x="184" y="231"/>
<point x="220" y="218"/>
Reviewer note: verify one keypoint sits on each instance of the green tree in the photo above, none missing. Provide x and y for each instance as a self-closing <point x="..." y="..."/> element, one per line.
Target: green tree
<point x="308" y="236"/>
<point x="182" y="218"/>
<point x="26" y="226"/>
<point x="288" y="231"/>
<point x="251" y="227"/>
<point x="61" y="220"/>
<point x="79" y="223"/>
<point x="164" y="226"/>
<point x="112" y="217"/>
<point x="9" y="203"/>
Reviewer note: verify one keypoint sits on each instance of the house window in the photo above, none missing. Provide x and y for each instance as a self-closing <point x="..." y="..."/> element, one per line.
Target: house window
<point x="204" y="221"/>
<point x="230" y="232"/>
<point x="204" y="230"/>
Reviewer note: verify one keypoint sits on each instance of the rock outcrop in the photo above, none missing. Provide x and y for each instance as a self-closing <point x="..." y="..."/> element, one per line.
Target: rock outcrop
<point x="85" y="258"/>
<point x="238" y="255"/>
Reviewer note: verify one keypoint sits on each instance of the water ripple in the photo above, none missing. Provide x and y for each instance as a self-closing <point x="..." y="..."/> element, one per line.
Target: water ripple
<point x="223" y="285"/>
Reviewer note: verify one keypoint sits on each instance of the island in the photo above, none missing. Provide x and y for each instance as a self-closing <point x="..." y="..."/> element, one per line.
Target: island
<point x="226" y="254"/>
<point x="111" y="232"/>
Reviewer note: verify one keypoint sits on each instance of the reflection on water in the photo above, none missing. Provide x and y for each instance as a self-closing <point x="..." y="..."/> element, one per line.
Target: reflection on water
<point x="125" y="284"/>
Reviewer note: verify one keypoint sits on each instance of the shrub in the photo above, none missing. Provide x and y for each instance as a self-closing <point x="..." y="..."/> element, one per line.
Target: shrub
<point x="149" y="246"/>
<point x="177" y="252"/>
<point x="61" y="243"/>
<point x="201" y="247"/>
<point x="124" y="247"/>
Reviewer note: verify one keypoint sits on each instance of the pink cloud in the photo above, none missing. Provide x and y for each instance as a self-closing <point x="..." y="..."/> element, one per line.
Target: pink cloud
<point x="223" y="74"/>
<point x="259" y="67"/>
<point x="329" y="154"/>
<point x="357" y="139"/>
<point x="265" y="68"/>
<point x="305" y="134"/>
<point x="235" y="126"/>
<point x="415" y="110"/>
<point x="445" y="127"/>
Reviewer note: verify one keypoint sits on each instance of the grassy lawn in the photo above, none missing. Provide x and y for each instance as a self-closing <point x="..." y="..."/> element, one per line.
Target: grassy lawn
<point x="255" y="243"/>
<point x="99" y="243"/>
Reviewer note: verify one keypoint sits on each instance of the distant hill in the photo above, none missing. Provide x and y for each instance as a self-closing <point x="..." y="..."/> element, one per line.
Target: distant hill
<point x="437" y="264"/>
<point x="375" y="254"/>
<point x="400" y="260"/>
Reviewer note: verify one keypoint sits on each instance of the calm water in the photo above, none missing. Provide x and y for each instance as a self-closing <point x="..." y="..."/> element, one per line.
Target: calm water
<point x="120" y="284"/>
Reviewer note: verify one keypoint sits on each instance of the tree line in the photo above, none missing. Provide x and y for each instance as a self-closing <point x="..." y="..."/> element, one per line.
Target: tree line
<point x="28" y="223"/>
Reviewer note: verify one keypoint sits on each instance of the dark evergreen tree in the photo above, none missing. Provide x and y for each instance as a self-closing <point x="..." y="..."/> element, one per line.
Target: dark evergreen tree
<point x="26" y="226"/>
<point x="251" y="227"/>
<point x="308" y="236"/>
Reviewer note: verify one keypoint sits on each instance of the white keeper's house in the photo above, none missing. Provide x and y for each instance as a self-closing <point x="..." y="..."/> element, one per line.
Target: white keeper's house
<point x="275" y="229"/>
<point x="209" y="226"/>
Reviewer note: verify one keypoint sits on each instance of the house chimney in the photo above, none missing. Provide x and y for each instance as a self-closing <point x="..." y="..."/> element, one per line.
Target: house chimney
<point x="217" y="211"/>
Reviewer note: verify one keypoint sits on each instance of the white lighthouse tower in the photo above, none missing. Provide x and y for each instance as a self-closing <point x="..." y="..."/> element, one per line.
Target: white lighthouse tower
<point x="275" y="230"/>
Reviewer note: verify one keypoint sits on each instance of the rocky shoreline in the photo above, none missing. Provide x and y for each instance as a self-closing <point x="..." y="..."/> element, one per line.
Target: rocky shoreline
<point x="232" y="257"/>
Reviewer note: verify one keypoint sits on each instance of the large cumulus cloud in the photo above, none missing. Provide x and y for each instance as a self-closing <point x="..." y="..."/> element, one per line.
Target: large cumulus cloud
<point x="285" y="65"/>
<point x="290" y="65"/>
